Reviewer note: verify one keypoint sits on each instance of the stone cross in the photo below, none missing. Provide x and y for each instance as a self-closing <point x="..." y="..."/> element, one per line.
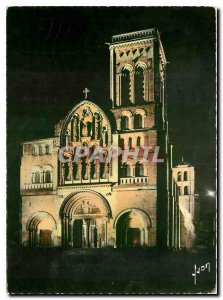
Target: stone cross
<point x="86" y="91"/>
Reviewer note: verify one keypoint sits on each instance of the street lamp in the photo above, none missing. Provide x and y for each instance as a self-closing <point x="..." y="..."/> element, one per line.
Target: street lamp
<point x="210" y="193"/>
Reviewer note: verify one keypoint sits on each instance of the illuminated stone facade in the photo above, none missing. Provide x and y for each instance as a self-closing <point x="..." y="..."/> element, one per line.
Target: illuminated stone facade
<point x="92" y="203"/>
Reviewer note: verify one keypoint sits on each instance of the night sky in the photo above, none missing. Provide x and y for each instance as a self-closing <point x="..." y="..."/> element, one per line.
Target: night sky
<point x="54" y="53"/>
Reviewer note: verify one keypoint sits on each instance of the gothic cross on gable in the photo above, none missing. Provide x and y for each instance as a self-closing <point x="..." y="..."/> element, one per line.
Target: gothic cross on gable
<point x="85" y="92"/>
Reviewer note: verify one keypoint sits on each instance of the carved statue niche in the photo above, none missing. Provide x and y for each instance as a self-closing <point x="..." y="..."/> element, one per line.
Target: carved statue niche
<point x="97" y="124"/>
<point x="68" y="140"/>
<point x="86" y="122"/>
<point x="75" y="128"/>
<point x="104" y="136"/>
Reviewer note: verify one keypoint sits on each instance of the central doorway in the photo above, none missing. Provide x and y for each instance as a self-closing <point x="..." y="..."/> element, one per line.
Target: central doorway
<point x="84" y="217"/>
<point x="85" y="234"/>
<point x="78" y="235"/>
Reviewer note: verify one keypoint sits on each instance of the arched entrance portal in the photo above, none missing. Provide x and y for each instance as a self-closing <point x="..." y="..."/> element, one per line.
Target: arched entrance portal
<point x="41" y="227"/>
<point x="84" y="216"/>
<point x="132" y="228"/>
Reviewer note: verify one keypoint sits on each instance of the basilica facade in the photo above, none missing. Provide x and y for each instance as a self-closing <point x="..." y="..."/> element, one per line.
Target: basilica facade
<point x="74" y="199"/>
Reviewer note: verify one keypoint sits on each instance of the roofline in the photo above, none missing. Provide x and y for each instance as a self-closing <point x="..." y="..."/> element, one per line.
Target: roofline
<point x="134" y="35"/>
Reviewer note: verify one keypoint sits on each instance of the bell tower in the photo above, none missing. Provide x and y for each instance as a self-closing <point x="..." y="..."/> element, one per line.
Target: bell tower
<point x="137" y="93"/>
<point x="137" y="68"/>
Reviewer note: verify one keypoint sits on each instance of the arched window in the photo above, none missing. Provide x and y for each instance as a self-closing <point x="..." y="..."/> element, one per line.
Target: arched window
<point x="125" y="87"/>
<point x="34" y="150"/>
<point x="124" y="122"/>
<point x="37" y="177"/>
<point x="67" y="171"/>
<point x="179" y="176"/>
<point x="186" y="190"/>
<point x="33" y="177"/>
<point x="137" y="121"/>
<point x="139" y="170"/>
<point x="75" y="171"/>
<point x="126" y="171"/>
<point x="139" y="85"/>
<point x="47" y="176"/>
<point x="84" y="169"/>
<point x="122" y="143"/>
<point x="179" y="190"/>
<point x="130" y="143"/>
<point x="102" y="170"/>
<point x="185" y="176"/>
<point x="47" y="149"/>
<point x="138" y="141"/>
<point x="41" y="149"/>
<point x="93" y="170"/>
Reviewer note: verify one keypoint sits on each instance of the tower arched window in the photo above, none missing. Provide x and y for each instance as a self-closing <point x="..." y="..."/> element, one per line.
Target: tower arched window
<point x="139" y="170"/>
<point x="47" y="176"/>
<point x="138" y="141"/>
<point x="41" y="149"/>
<point x="138" y="121"/>
<point x="124" y="122"/>
<point x="179" y="176"/>
<point x="125" y="86"/>
<point x="139" y="85"/>
<point x="34" y="150"/>
<point x="47" y="149"/>
<point x="185" y="176"/>
<point x="186" y="190"/>
<point x="122" y="143"/>
<point x="126" y="171"/>
<point x="37" y="177"/>
<point x="130" y="143"/>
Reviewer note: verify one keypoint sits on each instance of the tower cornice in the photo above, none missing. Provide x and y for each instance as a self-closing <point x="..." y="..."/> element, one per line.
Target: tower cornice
<point x="135" y="35"/>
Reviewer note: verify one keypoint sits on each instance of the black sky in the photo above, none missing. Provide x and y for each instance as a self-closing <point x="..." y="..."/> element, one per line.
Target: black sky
<point x="54" y="52"/>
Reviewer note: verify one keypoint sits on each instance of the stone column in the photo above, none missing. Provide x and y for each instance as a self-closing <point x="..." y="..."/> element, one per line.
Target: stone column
<point x="87" y="221"/>
<point x="71" y="170"/>
<point x="143" y="121"/>
<point x="105" y="228"/>
<point x="62" y="173"/>
<point x="106" y="171"/>
<point x="62" y="231"/>
<point x="131" y="125"/>
<point x="88" y="170"/>
<point x="118" y="89"/>
<point x="132" y="87"/>
<point x="98" y="169"/>
<point x="65" y="231"/>
<point x="96" y="129"/>
<point x="133" y="170"/>
<point x="70" y="231"/>
<point x="151" y="85"/>
<point x="79" y="169"/>
<point x="146" y="85"/>
<point x="118" y="123"/>
<point x="142" y="237"/>
<point x="146" y="237"/>
<point x="112" y="75"/>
